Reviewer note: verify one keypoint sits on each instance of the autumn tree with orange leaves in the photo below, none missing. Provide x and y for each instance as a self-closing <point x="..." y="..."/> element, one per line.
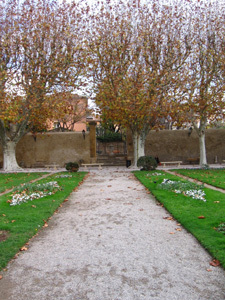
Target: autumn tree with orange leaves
<point x="201" y="96"/>
<point x="41" y="54"/>
<point x="136" y="52"/>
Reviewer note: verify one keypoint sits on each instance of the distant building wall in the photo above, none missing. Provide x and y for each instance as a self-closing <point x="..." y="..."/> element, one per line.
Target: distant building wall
<point x="49" y="148"/>
<point x="171" y="145"/>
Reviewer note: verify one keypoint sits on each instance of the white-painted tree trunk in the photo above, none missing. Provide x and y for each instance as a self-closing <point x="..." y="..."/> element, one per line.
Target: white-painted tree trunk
<point x="202" y="148"/>
<point x="201" y="135"/>
<point x="138" y="145"/>
<point x="9" y="157"/>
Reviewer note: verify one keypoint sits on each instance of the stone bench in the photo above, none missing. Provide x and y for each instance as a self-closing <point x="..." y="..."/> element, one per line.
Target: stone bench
<point x="164" y="163"/>
<point x="53" y="166"/>
<point x="93" y="165"/>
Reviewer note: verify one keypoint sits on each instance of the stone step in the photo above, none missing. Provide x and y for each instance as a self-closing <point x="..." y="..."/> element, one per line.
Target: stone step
<point x="112" y="160"/>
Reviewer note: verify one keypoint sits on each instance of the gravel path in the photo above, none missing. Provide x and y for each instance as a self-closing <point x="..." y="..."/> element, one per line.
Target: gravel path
<point x="110" y="241"/>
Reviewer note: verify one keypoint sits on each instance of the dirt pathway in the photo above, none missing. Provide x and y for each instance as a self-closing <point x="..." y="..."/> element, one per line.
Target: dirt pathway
<point x="111" y="241"/>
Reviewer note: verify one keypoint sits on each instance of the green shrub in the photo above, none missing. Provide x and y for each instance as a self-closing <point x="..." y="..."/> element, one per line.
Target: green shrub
<point x="147" y="163"/>
<point x="72" y="166"/>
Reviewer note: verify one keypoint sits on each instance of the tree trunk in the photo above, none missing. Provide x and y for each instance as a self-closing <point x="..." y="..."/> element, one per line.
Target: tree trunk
<point x="202" y="148"/>
<point x="9" y="157"/>
<point x="138" y="145"/>
<point x="201" y="135"/>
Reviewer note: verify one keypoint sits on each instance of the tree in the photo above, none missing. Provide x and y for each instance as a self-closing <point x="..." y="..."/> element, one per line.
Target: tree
<point x="202" y="100"/>
<point x="136" y="51"/>
<point x="41" y="54"/>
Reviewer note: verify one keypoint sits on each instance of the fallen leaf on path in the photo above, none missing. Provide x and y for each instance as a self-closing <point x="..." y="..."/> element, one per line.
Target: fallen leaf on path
<point x="141" y="209"/>
<point x="0" y="277"/>
<point x="23" y="248"/>
<point x="209" y="270"/>
<point x="109" y="185"/>
<point x="168" y="218"/>
<point x="214" y="263"/>
<point x="178" y="229"/>
<point x="172" y="232"/>
<point x="108" y="198"/>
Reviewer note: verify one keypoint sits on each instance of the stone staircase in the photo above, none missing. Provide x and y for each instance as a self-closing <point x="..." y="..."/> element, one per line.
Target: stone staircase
<point x="112" y="160"/>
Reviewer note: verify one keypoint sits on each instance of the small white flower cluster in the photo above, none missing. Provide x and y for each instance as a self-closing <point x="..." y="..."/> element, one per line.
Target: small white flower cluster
<point x="63" y="176"/>
<point x="21" y="198"/>
<point x="167" y="181"/>
<point x="193" y="193"/>
<point x="156" y="174"/>
<point x="196" y="194"/>
<point x="48" y="184"/>
<point x="24" y="197"/>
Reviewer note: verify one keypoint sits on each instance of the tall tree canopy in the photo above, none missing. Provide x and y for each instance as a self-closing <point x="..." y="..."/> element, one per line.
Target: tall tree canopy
<point x="136" y="52"/>
<point x="41" y="54"/>
<point x="201" y="97"/>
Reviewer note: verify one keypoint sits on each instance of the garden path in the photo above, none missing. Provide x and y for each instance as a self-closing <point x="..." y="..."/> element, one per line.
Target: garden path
<point x="112" y="241"/>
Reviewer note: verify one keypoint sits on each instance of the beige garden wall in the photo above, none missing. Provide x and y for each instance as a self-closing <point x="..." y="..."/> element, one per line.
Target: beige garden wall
<point x="57" y="147"/>
<point x="62" y="147"/>
<point x="171" y="145"/>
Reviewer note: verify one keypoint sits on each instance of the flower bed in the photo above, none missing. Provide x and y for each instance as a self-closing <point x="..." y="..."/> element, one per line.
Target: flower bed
<point x="188" y="189"/>
<point x="29" y="192"/>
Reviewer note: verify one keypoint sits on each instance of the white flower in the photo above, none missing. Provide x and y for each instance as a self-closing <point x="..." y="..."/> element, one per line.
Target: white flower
<point x="24" y="197"/>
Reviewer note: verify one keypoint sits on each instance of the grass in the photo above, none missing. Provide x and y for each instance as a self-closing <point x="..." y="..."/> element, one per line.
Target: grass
<point x="19" y="223"/>
<point x="215" y="177"/>
<point x="8" y="181"/>
<point x="187" y="211"/>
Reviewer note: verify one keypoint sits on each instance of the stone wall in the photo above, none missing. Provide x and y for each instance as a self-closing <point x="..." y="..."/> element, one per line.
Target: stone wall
<point x="168" y="145"/>
<point x="50" y="148"/>
<point x="171" y="145"/>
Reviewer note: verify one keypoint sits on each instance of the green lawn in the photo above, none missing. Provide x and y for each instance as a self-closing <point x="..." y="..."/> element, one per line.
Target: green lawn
<point x="187" y="211"/>
<point x="214" y="177"/>
<point x="8" y="181"/>
<point x="21" y="222"/>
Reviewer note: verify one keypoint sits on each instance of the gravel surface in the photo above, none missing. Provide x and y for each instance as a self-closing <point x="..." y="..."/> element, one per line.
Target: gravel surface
<point x="111" y="241"/>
